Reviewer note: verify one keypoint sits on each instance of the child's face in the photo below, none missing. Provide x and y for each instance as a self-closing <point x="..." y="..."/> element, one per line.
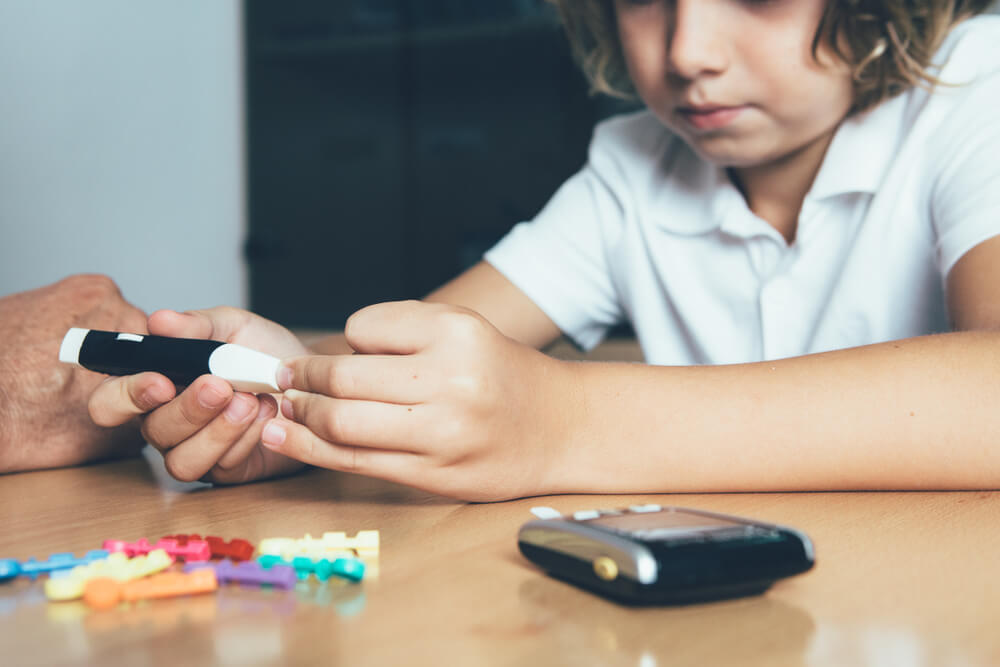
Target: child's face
<point x="735" y="78"/>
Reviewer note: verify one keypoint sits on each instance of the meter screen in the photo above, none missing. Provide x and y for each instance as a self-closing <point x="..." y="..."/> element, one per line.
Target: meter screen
<point x="663" y="524"/>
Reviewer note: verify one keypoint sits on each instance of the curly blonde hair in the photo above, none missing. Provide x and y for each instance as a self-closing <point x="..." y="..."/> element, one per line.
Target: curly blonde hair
<point x="887" y="43"/>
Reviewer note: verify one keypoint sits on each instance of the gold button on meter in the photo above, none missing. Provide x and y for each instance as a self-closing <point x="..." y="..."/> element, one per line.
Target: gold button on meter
<point x="605" y="568"/>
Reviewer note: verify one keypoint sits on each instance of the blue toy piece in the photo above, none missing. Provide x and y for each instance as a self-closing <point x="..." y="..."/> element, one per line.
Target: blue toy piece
<point x="55" y="562"/>
<point x="9" y="569"/>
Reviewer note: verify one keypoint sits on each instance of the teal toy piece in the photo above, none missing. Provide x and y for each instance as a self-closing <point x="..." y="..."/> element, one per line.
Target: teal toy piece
<point x="347" y="568"/>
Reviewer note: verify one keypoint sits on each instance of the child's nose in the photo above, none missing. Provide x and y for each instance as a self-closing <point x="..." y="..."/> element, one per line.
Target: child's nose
<point x="695" y="43"/>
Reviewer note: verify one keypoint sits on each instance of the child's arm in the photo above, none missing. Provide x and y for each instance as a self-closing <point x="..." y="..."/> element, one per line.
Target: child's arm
<point x="920" y="413"/>
<point x="461" y="410"/>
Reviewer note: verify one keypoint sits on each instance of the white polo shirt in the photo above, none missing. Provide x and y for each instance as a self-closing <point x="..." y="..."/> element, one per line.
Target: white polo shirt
<point x="649" y="233"/>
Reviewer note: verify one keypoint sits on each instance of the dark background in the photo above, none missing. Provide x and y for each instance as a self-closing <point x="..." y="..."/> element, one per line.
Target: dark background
<point x="391" y="142"/>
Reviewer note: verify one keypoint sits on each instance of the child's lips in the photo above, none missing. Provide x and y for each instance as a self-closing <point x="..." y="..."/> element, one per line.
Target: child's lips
<point x="710" y="117"/>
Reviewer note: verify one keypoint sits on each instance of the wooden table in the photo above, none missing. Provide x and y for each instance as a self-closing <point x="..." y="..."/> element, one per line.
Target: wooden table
<point x="901" y="579"/>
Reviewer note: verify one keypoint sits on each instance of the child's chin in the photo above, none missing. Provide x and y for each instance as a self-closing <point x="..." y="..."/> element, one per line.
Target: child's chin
<point x="725" y="153"/>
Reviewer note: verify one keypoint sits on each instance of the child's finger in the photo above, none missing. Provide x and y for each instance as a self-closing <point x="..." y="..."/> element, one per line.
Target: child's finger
<point x="389" y="379"/>
<point x="298" y="442"/>
<point x="395" y="327"/>
<point x="119" y="399"/>
<point x="214" y="323"/>
<point x="361" y="423"/>
<point x="191" y="459"/>
<point x="180" y="325"/>
<point x="191" y="411"/>
<point x="235" y="457"/>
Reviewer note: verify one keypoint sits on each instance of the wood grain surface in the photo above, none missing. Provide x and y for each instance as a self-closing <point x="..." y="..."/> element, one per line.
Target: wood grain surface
<point x="901" y="579"/>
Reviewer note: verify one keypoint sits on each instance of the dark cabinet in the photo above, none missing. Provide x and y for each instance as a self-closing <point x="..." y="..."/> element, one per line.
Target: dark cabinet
<point x="390" y="142"/>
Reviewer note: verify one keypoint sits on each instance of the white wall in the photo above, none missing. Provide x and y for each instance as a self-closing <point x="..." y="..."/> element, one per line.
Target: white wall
<point x="121" y="147"/>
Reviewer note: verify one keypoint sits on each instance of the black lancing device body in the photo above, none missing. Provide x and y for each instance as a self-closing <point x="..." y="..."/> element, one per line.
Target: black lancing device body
<point x="182" y="360"/>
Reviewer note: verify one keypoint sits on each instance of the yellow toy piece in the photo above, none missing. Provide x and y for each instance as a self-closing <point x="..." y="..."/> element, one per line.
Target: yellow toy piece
<point x="332" y="545"/>
<point x="116" y="566"/>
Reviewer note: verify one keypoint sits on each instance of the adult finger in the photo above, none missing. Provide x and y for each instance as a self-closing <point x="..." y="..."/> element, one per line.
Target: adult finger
<point x="195" y="456"/>
<point x="194" y="409"/>
<point x="118" y="399"/>
<point x="360" y="423"/>
<point x="388" y="379"/>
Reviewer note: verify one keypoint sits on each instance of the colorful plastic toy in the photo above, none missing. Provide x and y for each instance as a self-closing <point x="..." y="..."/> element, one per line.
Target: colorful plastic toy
<point x="70" y="584"/>
<point x="348" y="568"/>
<point x="234" y="549"/>
<point x="332" y="545"/>
<point x="190" y="551"/>
<point x="105" y="593"/>
<point x="280" y="576"/>
<point x="10" y="568"/>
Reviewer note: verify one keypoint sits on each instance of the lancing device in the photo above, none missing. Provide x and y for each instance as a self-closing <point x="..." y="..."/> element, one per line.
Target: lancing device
<point x="182" y="360"/>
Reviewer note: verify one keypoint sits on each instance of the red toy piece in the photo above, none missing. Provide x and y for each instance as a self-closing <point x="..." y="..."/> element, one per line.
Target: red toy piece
<point x="234" y="549"/>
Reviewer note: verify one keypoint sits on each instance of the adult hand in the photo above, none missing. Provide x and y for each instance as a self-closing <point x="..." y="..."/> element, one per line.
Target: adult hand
<point x="43" y="403"/>
<point x="207" y="431"/>
<point x="438" y="399"/>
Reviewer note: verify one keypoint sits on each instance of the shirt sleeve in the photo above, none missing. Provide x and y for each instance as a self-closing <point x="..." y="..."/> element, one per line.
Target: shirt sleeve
<point x="965" y="194"/>
<point x="560" y="260"/>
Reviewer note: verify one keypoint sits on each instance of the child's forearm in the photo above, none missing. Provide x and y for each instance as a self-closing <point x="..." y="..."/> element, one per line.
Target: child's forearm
<point x="919" y="413"/>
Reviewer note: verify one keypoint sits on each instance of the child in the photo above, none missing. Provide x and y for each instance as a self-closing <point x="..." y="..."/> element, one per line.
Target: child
<point x="813" y="188"/>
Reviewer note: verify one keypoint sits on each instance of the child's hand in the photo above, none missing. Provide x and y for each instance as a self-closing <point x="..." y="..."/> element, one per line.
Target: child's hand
<point x="438" y="399"/>
<point x="208" y="430"/>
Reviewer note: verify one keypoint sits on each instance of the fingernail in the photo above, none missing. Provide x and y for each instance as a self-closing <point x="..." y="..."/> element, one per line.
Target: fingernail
<point x="238" y="409"/>
<point x="286" y="409"/>
<point x="211" y="397"/>
<point x="284" y="377"/>
<point x="268" y="407"/>
<point x="273" y="435"/>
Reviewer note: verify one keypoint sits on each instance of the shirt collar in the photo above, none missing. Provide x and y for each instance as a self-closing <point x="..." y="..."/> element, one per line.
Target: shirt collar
<point x="861" y="152"/>
<point x="698" y="195"/>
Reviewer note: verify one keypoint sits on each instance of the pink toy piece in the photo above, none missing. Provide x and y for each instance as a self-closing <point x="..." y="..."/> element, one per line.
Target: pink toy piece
<point x="281" y="576"/>
<point x="140" y="547"/>
<point x="193" y="550"/>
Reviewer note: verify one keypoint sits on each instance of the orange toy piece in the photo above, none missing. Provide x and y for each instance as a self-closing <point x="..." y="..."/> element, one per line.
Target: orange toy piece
<point x="105" y="593"/>
<point x="102" y="593"/>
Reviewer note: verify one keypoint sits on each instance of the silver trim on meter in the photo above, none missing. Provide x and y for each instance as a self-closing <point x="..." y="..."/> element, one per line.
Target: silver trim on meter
<point x="584" y="543"/>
